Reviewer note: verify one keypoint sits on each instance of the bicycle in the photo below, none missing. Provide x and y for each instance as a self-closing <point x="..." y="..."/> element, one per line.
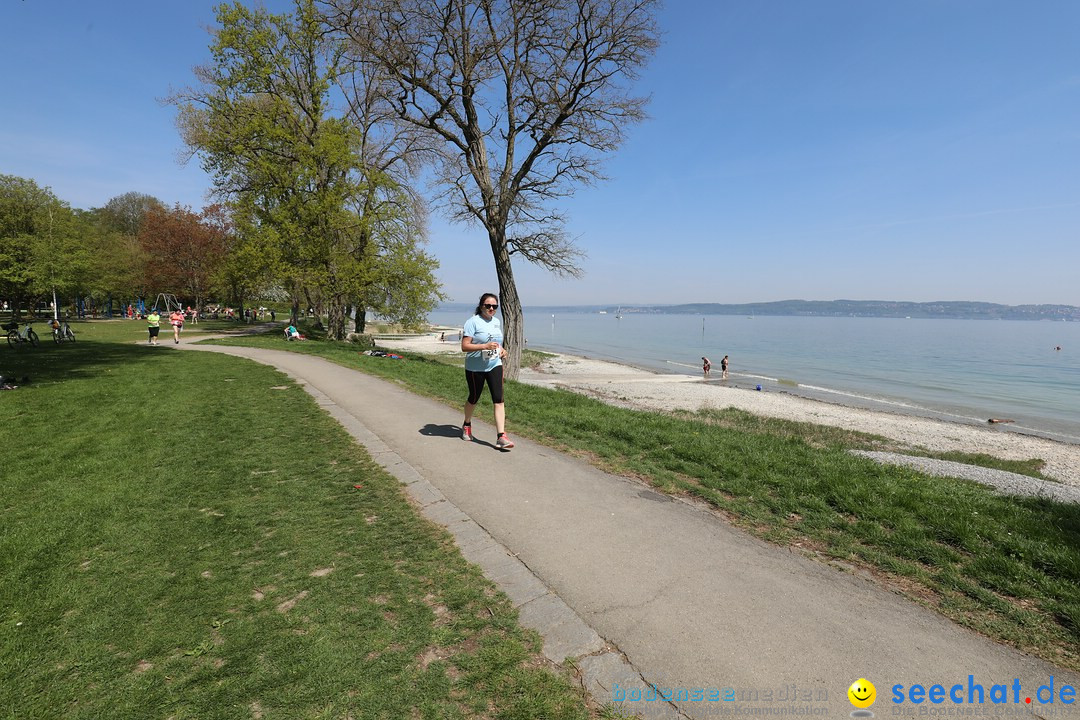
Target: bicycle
<point x="61" y="332"/>
<point x="16" y="336"/>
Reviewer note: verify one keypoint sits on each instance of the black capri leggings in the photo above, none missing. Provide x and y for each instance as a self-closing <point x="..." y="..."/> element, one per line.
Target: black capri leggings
<point x="494" y="378"/>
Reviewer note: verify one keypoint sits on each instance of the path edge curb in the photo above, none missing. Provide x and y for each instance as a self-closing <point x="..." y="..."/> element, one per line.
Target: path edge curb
<point x="601" y="667"/>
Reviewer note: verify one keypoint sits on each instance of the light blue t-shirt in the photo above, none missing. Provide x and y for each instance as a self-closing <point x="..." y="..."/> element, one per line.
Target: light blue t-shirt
<point x="483" y="331"/>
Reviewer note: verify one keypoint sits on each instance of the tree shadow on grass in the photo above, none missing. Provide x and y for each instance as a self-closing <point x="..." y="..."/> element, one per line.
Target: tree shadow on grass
<point x="51" y="363"/>
<point x="91" y="355"/>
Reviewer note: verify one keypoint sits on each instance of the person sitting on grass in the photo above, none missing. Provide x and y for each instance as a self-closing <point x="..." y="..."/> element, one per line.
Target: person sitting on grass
<point x="291" y="333"/>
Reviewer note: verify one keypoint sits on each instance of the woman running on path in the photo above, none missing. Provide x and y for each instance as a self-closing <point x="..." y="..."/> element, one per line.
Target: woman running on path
<point x="153" y="324"/>
<point x="482" y="342"/>
<point x="176" y="319"/>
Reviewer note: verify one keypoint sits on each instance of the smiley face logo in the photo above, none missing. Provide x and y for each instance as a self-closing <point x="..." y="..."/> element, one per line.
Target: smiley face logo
<point x="862" y="693"/>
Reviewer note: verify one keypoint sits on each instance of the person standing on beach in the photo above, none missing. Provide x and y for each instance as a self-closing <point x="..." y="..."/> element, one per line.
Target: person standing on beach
<point x="153" y="326"/>
<point x="481" y="340"/>
<point x="706" y="366"/>
<point x="723" y="368"/>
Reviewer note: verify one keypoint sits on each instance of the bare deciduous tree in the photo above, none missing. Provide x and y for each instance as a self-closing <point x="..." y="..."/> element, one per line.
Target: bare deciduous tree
<point x="524" y="97"/>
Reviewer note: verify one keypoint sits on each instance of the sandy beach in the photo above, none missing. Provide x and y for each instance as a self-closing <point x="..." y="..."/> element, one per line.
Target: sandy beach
<point x="644" y="390"/>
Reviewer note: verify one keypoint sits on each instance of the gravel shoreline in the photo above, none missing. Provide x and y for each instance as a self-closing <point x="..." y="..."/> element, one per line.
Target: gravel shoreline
<point x="644" y="390"/>
<point x="1002" y="481"/>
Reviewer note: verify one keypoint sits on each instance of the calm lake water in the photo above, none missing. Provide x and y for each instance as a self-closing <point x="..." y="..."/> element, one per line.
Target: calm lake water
<point x="960" y="370"/>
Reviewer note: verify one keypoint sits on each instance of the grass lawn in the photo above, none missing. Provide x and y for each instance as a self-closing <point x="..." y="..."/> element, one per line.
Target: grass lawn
<point x="1007" y="567"/>
<point x="187" y="535"/>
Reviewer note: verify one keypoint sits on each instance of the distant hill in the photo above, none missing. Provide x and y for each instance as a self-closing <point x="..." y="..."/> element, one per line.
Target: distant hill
<point x="958" y="309"/>
<point x="954" y="309"/>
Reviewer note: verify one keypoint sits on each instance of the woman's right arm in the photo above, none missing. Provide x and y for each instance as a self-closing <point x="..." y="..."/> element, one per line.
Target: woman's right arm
<point x="467" y="345"/>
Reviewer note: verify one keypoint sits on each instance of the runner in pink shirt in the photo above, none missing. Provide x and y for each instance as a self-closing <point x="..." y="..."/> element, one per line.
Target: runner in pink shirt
<point x="176" y="319"/>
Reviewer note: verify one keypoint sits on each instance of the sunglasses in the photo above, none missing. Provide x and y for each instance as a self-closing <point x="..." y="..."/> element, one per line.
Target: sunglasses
<point x="489" y="306"/>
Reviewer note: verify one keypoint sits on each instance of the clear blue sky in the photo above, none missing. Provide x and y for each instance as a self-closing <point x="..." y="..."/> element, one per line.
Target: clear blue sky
<point x="917" y="150"/>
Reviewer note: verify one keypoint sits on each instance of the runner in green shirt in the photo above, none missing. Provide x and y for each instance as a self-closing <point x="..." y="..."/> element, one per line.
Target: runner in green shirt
<point x="153" y="321"/>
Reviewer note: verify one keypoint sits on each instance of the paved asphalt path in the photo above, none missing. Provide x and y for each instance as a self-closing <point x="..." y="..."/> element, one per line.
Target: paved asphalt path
<point x="641" y="589"/>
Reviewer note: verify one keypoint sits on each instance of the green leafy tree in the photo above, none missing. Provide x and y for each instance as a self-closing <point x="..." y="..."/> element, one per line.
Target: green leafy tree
<point x="252" y="260"/>
<point x="125" y="213"/>
<point x="20" y="200"/>
<point x="299" y="168"/>
<point x="41" y="253"/>
<point x="522" y="99"/>
<point x="263" y="123"/>
<point x="117" y="263"/>
<point x="402" y="291"/>
<point x="59" y="254"/>
<point x="399" y="282"/>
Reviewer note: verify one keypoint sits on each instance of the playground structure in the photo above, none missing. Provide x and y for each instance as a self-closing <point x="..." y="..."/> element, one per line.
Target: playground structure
<point x="166" y="303"/>
<point x="109" y="307"/>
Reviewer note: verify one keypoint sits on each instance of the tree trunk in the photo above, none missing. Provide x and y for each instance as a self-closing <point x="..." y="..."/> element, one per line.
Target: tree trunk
<point x="512" y="319"/>
<point x="360" y="324"/>
<point x="316" y="308"/>
<point x="295" y="315"/>
<point x="335" y="320"/>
